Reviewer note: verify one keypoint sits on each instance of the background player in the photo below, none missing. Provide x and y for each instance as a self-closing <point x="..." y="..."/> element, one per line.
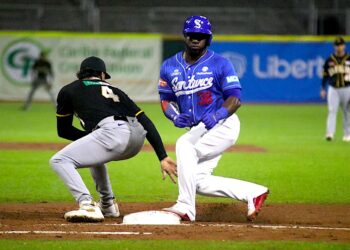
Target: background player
<point x="200" y="89"/>
<point x="42" y="76"/>
<point x="336" y="72"/>
<point x="115" y="129"/>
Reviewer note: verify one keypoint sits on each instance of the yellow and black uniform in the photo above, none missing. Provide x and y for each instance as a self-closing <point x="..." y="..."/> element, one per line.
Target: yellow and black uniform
<point x="42" y="68"/>
<point x="336" y="71"/>
<point x="115" y="129"/>
<point x="92" y="101"/>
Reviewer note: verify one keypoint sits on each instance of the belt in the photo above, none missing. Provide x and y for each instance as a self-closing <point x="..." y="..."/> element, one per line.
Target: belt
<point x="116" y="118"/>
<point x="120" y="118"/>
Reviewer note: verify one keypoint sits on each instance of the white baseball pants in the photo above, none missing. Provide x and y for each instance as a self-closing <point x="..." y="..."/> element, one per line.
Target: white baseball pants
<point x="198" y="153"/>
<point x="338" y="97"/>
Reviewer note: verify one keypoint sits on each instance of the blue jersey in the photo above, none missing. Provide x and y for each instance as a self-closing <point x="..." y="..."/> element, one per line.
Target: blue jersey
<point x="198" y="88"/>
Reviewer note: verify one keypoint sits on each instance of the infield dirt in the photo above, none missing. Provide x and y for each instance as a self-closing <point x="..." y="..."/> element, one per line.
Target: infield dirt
<point x="215" y="221"/>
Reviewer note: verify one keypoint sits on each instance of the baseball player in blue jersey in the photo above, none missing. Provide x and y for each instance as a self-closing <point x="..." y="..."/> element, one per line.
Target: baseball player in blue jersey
<point x="200" y="90"/>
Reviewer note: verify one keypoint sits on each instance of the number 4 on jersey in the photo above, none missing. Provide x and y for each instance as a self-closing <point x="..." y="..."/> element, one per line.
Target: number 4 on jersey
<point x="108" y="93"/>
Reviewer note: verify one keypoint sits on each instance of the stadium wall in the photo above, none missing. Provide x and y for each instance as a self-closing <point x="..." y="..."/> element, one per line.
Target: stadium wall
<point x="271" y="68"/>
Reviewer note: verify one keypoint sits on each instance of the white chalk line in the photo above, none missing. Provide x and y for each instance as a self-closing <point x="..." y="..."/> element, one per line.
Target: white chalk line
<point x="276" y="227"/>
<point x="261" y="226"/>
<point x="75" y="232"/>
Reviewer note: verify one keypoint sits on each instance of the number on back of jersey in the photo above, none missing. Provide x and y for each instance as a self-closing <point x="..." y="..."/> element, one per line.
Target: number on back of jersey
<point x="108" y="93"/>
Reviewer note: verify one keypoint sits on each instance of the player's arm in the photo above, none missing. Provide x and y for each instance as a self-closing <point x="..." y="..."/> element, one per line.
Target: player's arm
<point x="64" y="114"/>
<point x="66" y="130"/>
<point x="169" y="104"/>
<point x="232" y="101"/>
<point x="172" y="112"/>
<point x="229" y="107"/>
<point x="325" y="79"/>
<point x="167" y="96"/>
<point x="168" y="165"/>
<point x="231" y="91"/>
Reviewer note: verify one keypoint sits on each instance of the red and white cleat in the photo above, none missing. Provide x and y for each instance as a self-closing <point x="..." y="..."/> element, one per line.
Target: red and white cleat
<point x="254" y="206"/>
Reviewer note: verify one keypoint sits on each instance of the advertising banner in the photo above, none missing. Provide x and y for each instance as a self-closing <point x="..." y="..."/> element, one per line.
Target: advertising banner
<point x="278" y="71"/>
<point x="132" y="60"/>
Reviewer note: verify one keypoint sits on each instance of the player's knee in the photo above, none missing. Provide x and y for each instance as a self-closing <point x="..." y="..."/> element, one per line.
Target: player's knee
<point x="56" y="162"/>
<point x="332" y="110"/>
<point x="201" y="183"/>
<point x="204" y="154"/>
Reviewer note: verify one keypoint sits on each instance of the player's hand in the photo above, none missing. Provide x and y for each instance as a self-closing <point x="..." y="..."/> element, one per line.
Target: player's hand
<point x="182" y="121"/>
<point x="210" y="120"/>
<point x="168" y="167"/>
<point x="323" y="94"/>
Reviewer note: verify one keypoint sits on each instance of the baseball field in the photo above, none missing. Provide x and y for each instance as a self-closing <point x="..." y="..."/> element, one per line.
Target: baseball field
<point x="280" y="146"/>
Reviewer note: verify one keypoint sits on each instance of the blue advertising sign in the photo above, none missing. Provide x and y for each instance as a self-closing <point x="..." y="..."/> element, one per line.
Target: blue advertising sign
<point x="277" y="71"/>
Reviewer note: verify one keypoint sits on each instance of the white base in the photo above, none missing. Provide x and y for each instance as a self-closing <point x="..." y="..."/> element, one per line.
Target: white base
<point x="152" y="218"/>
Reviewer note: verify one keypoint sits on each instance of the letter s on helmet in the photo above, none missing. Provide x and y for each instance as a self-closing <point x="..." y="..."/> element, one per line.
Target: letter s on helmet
<point x="198" y="24"/>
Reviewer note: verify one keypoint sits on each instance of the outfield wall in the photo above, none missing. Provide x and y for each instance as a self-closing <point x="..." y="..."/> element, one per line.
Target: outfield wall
<point x="133" y="60"/>
<point x="271" y="68"/>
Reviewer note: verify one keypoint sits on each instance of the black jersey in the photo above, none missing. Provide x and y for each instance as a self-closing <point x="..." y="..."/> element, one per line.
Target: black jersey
<point x="42" y="67"/>
<point x="93" y="100"/>
<point x="336" y="71"/>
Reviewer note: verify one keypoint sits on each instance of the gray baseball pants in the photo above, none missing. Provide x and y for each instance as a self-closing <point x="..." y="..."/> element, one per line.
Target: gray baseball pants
<point x="338" y="97"/>
<point x="114" y="140"/>
<point x="35" y="85"/>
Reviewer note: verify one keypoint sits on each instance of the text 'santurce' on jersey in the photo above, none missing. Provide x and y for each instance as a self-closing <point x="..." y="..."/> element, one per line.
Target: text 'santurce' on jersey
<point x="198" y="88"/>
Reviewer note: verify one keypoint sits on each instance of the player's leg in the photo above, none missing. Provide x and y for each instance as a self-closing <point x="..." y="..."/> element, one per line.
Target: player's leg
<point x="103" y="186"/>
<point x="102" y="182"/>
<point x="218" y="186"/>
<point x="66" y="162"/>
<point x="191" y="150"/>
<point x="214" y="143"/>
<point x="103" y="145"/>
<point x="333" y="104"/>
<point x="48" y="88"/>
<point x="187" y="163"/>
<point x="345" y="103"/>
<point x="30" y="96"/>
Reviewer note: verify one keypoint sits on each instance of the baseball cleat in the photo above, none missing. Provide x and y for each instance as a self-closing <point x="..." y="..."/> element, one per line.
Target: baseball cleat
<point x="109" y="209"/>
<point x="88" y="212"/>
<point x="254" y="206"/>
<point x="329" y="137"/>
<point x="183" y="216"/>
<point x="346" y="138"/>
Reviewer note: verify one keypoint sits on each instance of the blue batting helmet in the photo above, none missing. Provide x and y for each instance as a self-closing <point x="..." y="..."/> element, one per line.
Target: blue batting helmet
<point x="198" y="24"/>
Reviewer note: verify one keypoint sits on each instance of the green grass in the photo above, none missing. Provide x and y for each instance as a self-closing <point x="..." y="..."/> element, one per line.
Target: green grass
<point x="299" y="167"/>
<point x="168" y="244"/>
<point x="296" y="167"/>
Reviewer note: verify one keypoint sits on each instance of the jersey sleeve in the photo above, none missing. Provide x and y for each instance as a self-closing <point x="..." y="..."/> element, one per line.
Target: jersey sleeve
<point x="229" y="78"/>
<point x="325" y="74"/>
<point x="164" y="88"/>
<point x="64" y="104"/>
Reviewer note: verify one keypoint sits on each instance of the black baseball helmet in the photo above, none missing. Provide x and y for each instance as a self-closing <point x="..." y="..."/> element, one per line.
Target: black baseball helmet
<point x="94" y="63"/>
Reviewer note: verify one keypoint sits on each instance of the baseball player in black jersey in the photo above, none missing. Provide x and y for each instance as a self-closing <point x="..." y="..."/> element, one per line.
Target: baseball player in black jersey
<point x="42" y="76"/>
<point x="114" y="129"/>
<point x="337" y="74"/>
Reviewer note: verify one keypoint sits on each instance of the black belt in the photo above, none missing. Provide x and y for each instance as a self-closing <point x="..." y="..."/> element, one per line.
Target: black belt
<point x="120" y="118"/>
<point x="116" y="118"/>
